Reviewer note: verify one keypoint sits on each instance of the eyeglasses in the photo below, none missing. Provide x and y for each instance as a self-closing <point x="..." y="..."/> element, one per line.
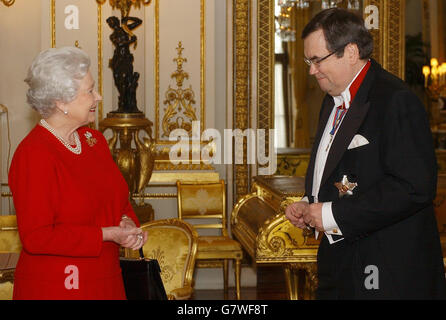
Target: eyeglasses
<point x="317" y="62"/>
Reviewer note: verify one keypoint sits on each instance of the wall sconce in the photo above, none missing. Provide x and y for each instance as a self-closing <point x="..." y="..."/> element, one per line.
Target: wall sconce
<point x="435" y="77"/>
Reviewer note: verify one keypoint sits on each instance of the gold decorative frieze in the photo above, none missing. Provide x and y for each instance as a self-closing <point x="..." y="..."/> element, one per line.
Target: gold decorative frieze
<point x="100" y="88"/>
<point x="154" y="195"/>
<point x="179" y="113"/>
<point x="170" y="178"/>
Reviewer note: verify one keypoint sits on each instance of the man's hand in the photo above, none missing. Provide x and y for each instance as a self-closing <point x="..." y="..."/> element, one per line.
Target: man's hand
<point x="295" y="213"/>
<point x="313" y="217"/>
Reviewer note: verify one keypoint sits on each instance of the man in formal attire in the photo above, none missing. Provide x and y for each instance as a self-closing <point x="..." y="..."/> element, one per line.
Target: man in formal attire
<point x="372" y="174"/>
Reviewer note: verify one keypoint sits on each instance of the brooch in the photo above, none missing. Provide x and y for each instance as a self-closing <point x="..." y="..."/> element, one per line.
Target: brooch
<point x="90" y="139"/>
<point x="345" y="187"/>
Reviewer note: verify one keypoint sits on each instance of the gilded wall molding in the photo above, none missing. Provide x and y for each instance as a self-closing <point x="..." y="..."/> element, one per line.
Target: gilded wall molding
<point x="158" y="115"/>
<point x="180" y="112"/>
<point x="162" y="162"/>
<point x="394" y="37"/>
<point x="203" y="62"/>
<point x="389" y="39"/>
<point x="157" y="73"/>
<point x="243" y="59"/>
<point x="265" y="66"/>
<point x="100" y="87"/>
<point x="53" y="23"/>
<point x="242" y="90"/>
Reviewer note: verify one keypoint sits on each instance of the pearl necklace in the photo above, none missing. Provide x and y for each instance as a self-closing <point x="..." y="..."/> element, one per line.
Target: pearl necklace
<point x="76" y="150"/>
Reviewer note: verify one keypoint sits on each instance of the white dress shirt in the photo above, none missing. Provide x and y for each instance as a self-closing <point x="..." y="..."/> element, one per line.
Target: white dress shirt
<point x="328" y="221"/>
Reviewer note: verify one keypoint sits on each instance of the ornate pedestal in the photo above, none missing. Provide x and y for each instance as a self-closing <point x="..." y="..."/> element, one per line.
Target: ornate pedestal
<point x="136" y="164"/>
<point x="258" y="222"/>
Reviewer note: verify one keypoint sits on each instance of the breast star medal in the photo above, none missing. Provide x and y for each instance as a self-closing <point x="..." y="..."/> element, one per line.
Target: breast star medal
<point x="345" y="187"/>
<point x="91" y="141"/>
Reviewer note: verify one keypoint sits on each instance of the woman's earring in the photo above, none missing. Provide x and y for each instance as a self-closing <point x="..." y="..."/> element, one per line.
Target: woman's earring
<point x="65" y="112"/>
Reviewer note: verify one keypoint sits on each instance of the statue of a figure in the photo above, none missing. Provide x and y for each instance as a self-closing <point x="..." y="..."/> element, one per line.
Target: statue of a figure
<point x="122" y="62"/>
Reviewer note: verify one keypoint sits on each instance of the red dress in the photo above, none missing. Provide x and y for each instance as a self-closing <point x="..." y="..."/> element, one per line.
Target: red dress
<point x="62" y="201"/>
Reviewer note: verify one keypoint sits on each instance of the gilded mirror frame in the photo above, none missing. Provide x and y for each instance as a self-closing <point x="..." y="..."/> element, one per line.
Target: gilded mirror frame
<point x="253" y="54"/>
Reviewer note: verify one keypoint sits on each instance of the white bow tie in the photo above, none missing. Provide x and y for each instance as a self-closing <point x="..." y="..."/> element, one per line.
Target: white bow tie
<point x="343" y="98"/>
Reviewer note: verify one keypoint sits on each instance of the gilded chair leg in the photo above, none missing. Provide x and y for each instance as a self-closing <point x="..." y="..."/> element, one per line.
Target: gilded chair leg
<point x="291" y="279"/>
<point x="225" y="274"/>
<point x="237" y="277"/>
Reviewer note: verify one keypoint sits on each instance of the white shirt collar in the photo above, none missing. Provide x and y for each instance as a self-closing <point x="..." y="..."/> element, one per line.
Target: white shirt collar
<point x="345" y="95"/>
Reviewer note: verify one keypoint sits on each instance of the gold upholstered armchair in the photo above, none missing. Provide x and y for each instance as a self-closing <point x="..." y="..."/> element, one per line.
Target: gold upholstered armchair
<point x="204" y="205"/>
<point x="10" y="247"/>
<point x="174" y="244"/>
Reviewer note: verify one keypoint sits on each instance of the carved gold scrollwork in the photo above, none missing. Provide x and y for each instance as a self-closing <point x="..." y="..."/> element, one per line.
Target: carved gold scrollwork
<point x="278" y="238"/>
<point x="180" y="112"/>
<point x="273" y="241"/>
<point x="277" y="244"/>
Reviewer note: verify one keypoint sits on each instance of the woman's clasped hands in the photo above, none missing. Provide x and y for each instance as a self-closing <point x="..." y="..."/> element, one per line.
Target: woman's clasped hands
<point x="126" y="234"/>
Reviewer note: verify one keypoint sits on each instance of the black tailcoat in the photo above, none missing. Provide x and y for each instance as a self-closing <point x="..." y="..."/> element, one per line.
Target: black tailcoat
<point x="388" y="223"/>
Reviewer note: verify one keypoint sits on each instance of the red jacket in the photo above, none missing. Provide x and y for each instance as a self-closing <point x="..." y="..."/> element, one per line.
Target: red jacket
<point x="62" y="201"/>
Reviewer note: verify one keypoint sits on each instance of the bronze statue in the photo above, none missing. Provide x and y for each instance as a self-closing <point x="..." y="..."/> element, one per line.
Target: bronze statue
<point x="122" y="62"/>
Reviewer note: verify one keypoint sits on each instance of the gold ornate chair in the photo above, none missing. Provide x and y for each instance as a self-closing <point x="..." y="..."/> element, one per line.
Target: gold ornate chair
<point x="201" y="203"/>
<point x="174" y="244"/>
<point x="10" y="247"/>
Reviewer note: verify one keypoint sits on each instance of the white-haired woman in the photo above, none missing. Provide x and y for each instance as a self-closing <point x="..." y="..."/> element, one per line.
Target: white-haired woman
<point x="70" y="198"/>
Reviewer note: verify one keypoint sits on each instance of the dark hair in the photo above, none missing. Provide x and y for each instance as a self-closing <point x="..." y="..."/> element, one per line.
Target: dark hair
<point x="341" y="27"/>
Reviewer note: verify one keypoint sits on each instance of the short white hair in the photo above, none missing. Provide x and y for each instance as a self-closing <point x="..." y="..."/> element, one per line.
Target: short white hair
<point x="55" y="75"/>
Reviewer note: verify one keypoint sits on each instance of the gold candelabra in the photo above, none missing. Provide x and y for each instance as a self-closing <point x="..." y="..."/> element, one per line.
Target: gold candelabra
<point x="435" y="77"/>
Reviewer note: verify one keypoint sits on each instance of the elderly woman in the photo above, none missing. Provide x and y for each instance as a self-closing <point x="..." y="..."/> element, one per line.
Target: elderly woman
<point x="71" y="200"/>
